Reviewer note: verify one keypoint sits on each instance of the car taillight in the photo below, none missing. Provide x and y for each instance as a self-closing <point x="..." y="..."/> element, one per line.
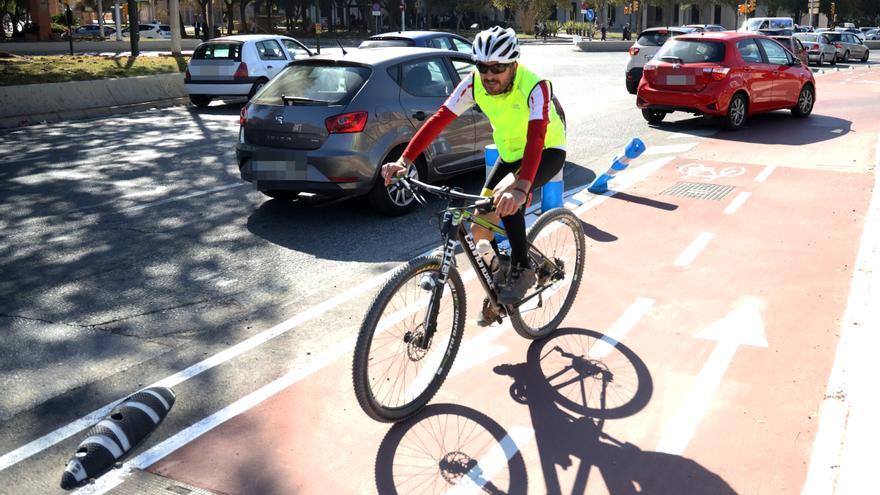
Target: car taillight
<point x="633" y="50"/>
<point x="347" y="122"/>
<point x="838" y="45"/>
<point x="718" y="73"/>
<point x="814" y="48"/>
<point x="242" y="117"/>
<point x="241" y="72"/>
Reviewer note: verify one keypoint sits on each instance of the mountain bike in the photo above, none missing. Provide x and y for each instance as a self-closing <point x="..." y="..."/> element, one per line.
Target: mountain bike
<point x="413" y="328"/>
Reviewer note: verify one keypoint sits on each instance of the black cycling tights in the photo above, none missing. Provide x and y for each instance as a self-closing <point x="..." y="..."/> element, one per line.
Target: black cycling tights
<point x="552" y="160"/>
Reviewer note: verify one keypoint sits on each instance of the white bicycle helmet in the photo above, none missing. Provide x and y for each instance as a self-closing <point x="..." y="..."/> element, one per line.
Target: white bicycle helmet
<point x="496" y="45"/>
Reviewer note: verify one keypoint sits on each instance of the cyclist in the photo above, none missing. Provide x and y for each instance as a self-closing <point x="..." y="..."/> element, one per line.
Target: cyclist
<point x="529" y="132"/>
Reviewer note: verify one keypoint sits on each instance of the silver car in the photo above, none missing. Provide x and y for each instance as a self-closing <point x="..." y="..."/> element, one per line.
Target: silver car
<point x="326" y="124"/>
<point x="819" y="48"/>
<point x="848" y="45"/>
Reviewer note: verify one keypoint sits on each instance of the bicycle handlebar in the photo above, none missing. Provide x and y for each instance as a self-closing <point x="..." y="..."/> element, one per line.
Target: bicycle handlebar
<point x="480" y="202"/>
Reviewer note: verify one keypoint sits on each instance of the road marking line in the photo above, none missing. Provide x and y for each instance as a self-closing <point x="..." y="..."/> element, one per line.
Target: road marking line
<point x="669" y="148"/>
<point x="88" y="420"/>
<point x="837" y="462"/>
<point x="738" y="201"/>
<point x="493" y="462"/>
<point x="765" y="173"/>
<point x="693" y="250"/>
<point x="624" y="179"/>
<point x="187" y="435"/>
<point x="181" y="197"/>
<point x="742" y="326"/>
<point x="621" y="327"/>
<point x="695" y="133"/>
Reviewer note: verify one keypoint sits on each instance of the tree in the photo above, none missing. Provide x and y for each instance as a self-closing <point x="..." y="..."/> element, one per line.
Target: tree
<point x="230" y="17"/>
<point x="242" y="5"/>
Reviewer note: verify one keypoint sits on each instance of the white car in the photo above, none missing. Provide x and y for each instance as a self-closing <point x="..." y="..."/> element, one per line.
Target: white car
<point x="646" y="46"/>
<point x="238" y="65"/>
<point x="151" y="31"/>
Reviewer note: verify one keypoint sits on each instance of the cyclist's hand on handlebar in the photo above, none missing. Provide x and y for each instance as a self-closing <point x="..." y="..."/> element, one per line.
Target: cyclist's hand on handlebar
<point x="508" y="202"/>
<point x="394" y="169"/>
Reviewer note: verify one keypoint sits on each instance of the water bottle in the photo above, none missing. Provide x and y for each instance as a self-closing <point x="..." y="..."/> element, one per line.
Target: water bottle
<point x="484" y="249"/>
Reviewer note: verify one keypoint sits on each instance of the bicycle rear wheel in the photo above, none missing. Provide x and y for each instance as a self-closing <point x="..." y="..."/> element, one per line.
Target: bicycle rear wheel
<point x="393" y="376"/>
<point x="559" y="238"/>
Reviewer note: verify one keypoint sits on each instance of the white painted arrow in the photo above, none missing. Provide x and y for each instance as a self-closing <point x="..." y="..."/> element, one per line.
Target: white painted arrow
<point x="742" y="326"/>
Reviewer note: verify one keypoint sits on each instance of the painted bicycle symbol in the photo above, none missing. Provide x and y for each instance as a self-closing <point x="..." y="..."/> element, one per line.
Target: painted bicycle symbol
<point x="706" y="173"/>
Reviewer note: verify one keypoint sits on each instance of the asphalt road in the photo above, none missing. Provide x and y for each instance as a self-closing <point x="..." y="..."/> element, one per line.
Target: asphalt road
<point x="130" y="250"/>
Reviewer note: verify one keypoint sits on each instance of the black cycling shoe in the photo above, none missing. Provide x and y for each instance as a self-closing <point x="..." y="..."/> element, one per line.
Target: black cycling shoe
<point x="490" y="314"/>
<point x="518" y="282"/>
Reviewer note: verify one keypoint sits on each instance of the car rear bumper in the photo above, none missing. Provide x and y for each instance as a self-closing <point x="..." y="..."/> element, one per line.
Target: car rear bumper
<point x="219" y="88"/>
<point x="335" y="169"/>
<point x="671" y="101"/>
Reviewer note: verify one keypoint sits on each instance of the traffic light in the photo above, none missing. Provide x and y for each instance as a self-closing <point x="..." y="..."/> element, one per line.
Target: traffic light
<point x="625" y="10"/>
<point x="741" y="8"/>
<point x="833" y="13"/>
<point x="753" y="4"/>
<point x="635" y="5"/>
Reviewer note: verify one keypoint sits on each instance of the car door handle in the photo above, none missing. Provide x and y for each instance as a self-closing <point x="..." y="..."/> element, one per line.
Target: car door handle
<point x="268" y="66"/>
<point x="420" y="115"/>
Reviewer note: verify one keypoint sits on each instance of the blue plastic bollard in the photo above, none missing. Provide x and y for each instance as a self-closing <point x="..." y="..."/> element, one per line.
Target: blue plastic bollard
<point x="491" y="155"/>
<point x="551" y="193"/>
<point x="630" y="152"/>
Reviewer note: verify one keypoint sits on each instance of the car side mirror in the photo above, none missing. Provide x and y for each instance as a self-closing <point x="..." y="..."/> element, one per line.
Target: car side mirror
<point x="795" y="62"/>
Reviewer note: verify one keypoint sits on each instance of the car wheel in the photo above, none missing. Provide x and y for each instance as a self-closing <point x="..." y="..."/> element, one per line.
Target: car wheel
<point x="736" y="112"/>
<point x="632" y="86"/>
<point x="279" y="194"/>
<point x="653" y="116"/>
<point x="200" y="101"/>
<point x="834" y="59"/>
<point x="845" y="56"/>
<point x="805" y="102"/>
<point x="393" y="200"/>
<point x="867" y="54"/>
<point x="821" y="60"/>
<point x="256" y="87"/>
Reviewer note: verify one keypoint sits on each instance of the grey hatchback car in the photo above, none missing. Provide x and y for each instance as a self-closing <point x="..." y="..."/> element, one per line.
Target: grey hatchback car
<point x="326" y="124"/>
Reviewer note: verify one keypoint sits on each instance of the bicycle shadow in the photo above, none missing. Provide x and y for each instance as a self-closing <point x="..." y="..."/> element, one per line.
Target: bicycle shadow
<point x="448" y="448"/>
<point x="571" y="389"/>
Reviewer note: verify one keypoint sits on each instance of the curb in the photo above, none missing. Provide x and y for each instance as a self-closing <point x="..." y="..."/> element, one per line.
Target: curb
<point x="51" y="102"/>
<point x="603" y="46"/>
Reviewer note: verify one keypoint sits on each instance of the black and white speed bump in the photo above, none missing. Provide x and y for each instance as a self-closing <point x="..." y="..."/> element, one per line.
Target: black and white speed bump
<point x="116" y="434"/>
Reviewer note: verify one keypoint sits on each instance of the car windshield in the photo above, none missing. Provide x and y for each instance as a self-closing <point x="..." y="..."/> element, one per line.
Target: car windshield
<point x="691" y="51"/>
<point x="833" y="36"/>
<point x="218" y="51"/>
<point x="314" y="83"/>
<point x="813" y="38"/>
<point x="386" y="42"/>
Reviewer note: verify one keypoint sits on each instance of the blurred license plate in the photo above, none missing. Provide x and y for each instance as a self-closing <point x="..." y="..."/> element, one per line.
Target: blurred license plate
<point x="679" y="80"/>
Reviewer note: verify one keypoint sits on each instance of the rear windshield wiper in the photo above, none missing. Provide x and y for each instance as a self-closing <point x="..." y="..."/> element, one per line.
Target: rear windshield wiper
<point x="290" y="100"/>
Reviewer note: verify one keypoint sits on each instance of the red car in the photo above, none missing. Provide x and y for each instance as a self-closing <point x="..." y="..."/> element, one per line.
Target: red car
<point x="729" y="74"/>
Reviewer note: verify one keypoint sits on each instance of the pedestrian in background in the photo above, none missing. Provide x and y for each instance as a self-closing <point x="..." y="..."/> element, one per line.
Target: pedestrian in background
<point x="603" y="32"/>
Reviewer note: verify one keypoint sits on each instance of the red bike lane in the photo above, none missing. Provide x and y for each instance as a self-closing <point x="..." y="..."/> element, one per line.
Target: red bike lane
<point x="727" y="308"/>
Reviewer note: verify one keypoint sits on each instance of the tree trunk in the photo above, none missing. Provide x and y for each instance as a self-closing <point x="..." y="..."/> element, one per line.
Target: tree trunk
<point x="242" y="5"/>
<point x="603" y="18"/>
<point x="133" y="31"/>
<point x="230" y="17"/>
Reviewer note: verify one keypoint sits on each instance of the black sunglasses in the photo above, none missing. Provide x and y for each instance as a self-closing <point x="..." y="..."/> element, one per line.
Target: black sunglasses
<point x="494" y="69"/>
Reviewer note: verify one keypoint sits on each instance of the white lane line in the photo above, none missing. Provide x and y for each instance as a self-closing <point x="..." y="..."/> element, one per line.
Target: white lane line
<point x="669" y="148"/>
<point x="187" y="435"/>
<point x="847" y="435"/>
<point x="181" y="197"/>
<point x="493" y="462"/>
<point x="694" y="249"/>
<point x="692" y="134"/>
<point x="623" y="180"/>
<point x="738" y="201"/>
<point x="765" y="173"/>
<point x="88" y="420"/>
<point x="621" y="327"/>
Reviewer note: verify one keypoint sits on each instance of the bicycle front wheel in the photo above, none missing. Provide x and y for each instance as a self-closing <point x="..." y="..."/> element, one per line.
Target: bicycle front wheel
<point x="394" y="376"/>
<point x="558" y="251"/>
